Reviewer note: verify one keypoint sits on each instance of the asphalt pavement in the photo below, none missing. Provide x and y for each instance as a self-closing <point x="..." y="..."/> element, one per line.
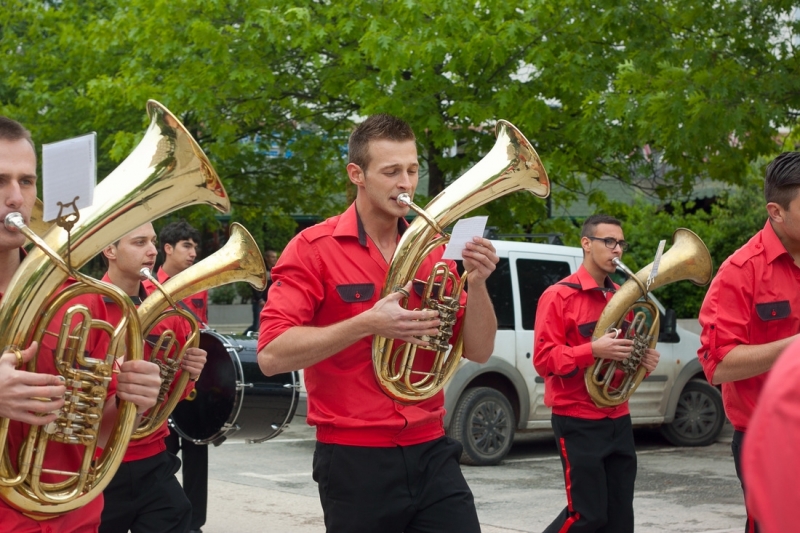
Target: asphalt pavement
<point x="268" y="487"/>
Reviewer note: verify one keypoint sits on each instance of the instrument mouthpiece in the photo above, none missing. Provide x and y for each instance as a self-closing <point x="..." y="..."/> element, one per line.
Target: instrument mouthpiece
<point x="404" y="199"/>
<point x="145" y="273"/>
<point x="14" y="221"/>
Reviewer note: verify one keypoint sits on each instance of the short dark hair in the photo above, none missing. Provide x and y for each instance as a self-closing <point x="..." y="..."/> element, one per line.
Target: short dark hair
<point x="174" y="232"/>
<point x="591" y="223"/>
<point x="782" y="180"/>
<point x="11" y="130"/>
<point x="376" y="127"/>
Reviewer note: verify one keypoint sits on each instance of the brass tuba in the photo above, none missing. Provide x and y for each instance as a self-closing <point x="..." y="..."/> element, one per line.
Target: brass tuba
<point x="166" y="171"/>
<point x="239" y="260"/>
<point x="511" y="165"/>
<point x="687" y="259"/>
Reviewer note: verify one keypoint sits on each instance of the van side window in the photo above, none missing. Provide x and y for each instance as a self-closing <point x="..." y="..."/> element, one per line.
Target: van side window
<point x="535" y="275"/>
<point x="499" y="287"/>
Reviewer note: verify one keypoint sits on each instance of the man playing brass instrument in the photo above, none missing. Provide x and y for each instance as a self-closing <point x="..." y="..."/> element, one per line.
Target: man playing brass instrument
<point x="381" y="466"/>
<point x="595" y="443"/>
<point x="180" y="241"/>
<point x="145" y="496"/>
<point x="23" y="395"/>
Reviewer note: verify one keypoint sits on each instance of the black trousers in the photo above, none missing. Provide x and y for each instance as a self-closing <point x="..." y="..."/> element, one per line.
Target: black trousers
<point x="145" y="497"/>
<point x="599" y="461"/>
<point x="195" y="475"/>
<point x="411" y="489"/>
<point x="750" y="525"/>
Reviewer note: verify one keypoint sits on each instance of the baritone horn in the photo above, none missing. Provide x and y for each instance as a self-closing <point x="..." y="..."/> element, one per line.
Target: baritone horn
<point x="511" y="165"/>
<point x="166" y="171"/>
<point x="609" y="382"/>
<point x="238" y="261"/>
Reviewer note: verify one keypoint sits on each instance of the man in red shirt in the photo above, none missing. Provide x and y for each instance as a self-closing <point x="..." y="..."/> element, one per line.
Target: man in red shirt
<point x="145" y="495"/>
<point x="751" y="312"/>
<point x="21" y="392"/>
<point x="180" y="241"/>
<point x="595" y="443"/>
<point x="380" y="465"/>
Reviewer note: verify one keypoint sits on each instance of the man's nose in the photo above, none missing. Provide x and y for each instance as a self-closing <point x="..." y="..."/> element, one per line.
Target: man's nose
<point x="14" y="197"/>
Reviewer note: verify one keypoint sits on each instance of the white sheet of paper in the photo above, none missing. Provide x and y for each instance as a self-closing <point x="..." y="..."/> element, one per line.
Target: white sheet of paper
<point x="463" y="232"/>
<point x="69" y="170"/>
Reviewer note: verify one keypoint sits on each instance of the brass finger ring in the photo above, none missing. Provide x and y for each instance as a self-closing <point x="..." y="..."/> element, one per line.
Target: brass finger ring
<point x="20" y="362"/>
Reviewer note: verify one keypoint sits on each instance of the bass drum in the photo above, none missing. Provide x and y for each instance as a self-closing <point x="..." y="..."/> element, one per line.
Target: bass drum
<point x="234" y="397"/>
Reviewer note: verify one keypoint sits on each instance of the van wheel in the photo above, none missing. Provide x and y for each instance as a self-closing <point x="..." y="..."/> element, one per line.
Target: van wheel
<point x="483" y="422"/>
<point x="699" y="416"/>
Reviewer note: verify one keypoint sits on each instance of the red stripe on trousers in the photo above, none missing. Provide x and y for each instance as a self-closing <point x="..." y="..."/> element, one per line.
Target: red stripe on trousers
<point x="574" y="517"/>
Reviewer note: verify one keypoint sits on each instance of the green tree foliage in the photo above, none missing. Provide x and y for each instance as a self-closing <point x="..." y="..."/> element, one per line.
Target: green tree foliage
<point x="705" y="85"/>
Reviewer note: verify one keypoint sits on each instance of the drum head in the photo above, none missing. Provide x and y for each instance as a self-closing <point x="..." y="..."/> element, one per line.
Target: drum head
<point x="203" y="418"/>
<point x="234" y="397"/>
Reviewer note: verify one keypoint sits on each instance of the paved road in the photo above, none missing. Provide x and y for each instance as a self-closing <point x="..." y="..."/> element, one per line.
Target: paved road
<point x="268" y="487"/>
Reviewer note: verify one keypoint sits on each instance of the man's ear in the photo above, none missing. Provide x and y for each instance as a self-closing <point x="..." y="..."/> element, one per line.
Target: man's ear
<point x="355" y="174"/>
<point x="168" y="249"/>
<point x="586" y="244"/>
<point x="775" y="212"/>
<point x="110" y="252"/>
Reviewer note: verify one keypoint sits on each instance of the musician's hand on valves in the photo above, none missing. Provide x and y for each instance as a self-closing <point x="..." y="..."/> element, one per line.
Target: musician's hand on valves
<point x="27" y="396"/>
<point x="650" y="359"/>
<point x="139" y="382"/>
<point x="480" y="260"/>
<point x="391" y="320"/>
<point x="193" y="362"/>
<point x="610" y="347"/>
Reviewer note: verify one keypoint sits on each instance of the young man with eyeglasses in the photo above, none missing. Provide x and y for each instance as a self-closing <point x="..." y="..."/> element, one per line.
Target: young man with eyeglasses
<point x="595" y="443"/>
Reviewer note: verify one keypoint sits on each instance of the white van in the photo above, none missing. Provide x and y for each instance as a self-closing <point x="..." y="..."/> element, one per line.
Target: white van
<point x="486" y="404"/>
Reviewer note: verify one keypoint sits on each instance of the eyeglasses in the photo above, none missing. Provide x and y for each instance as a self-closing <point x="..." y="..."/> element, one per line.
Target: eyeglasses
<point x="612" y="243"/>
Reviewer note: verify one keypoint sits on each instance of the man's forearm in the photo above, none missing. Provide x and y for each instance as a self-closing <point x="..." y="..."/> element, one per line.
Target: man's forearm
<point x="302" y="346"/>
<point x="746" y="361"/>
<point x="480" y="325"/>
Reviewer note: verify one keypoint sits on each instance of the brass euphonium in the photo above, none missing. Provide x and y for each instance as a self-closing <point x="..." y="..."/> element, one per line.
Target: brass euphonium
<point x="609" y="382"/>
<point x="511" y="165"/>
<point x="239" y="260"/>
<point x="165" y="172"/>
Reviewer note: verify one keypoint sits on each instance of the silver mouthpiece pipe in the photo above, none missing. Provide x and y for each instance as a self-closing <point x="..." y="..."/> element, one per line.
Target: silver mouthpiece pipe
<point x="631" y="275"/>
<point x="404" y="199"/>
<point x="14" y="221"/>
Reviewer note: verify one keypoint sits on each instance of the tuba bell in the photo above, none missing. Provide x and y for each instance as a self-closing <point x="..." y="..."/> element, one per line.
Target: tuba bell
<point x="166" y="171"/>
<point x="609" y="382"/>
<point x="511" y="165"/>
<point x="239" y="260"/>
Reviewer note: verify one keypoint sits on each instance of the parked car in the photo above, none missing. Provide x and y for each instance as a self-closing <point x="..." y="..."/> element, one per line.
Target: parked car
<point x="487" y="404"/>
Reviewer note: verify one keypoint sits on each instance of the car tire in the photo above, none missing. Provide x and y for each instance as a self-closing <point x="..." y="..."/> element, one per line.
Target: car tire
<point x="483" y="422"/>
<point x="699" y="416"/>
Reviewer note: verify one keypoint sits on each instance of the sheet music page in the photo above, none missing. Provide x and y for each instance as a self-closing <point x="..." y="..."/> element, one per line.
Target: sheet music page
<point x="463" y="232"/>
<point x="69" y="170"/>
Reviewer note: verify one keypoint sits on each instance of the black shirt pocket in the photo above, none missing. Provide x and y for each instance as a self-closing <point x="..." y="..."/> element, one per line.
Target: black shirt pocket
<point x="773" y="310"/>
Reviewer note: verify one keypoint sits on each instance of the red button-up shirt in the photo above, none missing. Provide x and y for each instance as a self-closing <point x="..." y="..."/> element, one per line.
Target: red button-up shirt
<point x="770" y="462"/>
<point x="197" y="303"/>
<point x="329" y="273"/>
<point x="59" y="456"/>
<point x="565" y="318"/>
<point x="752" y="300"/>
<point x="152" y="444"/>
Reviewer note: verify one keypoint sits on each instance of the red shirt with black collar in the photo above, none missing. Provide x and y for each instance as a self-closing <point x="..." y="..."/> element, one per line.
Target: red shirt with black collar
<point x="152" y="444"/>
<point x="752" y="300"/>
<point x="565" y="319"/>
<point x="197" y="303"/>
<point x="59" y="456"/>
<point x="327" y="274"/>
